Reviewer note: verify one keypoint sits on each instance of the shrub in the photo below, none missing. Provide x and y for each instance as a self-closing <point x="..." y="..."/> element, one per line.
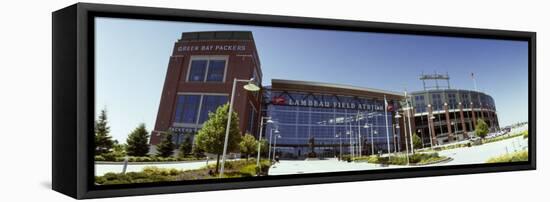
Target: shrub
<point x="109" y="156"/>
<point x="511" y="157"/>
<point x="417" y="158"/>
<point x="99" y="158"/>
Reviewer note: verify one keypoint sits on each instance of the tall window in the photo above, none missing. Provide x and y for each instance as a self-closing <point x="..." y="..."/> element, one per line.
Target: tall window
<point x="252" y="119"/>
<point x="437" y="102"/>
<point x="216" y="70"/>
<point x="209" y="69"/>
<point x="209" y="104"/>
<point x="187" y="108"/>
<point x="197" y="71"/>
<point x="420" y="104"/>
<point x="452" y="101"/>
<point x="190" y="110"/>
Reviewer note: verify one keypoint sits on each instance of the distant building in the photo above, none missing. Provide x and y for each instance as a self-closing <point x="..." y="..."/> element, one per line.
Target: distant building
<point x="450" y="114"/>
<point x="321" y="119"/>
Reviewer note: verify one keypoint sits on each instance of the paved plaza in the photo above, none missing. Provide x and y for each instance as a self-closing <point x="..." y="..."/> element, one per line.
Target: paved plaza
<point x="465" y="155"/>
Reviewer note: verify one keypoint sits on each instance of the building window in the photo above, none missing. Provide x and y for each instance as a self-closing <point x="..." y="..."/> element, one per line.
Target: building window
<point x="187" y="108"/>
<point x="216" y="70"/>
<point x="437" y="102"/>
<point x="252" y="119"/>
<point x="207" y="69"/>
<point x="452" y="101"/>
<point x="419" y="103"/>
<point x="209" y="104"/>
<point x="198" y="69"/>
<point x="190" y="110"/>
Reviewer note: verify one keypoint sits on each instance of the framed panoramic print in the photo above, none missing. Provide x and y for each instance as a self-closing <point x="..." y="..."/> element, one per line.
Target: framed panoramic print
<point x="154" y="100"/>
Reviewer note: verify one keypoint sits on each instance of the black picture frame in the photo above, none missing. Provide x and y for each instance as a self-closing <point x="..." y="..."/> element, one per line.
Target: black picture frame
<point x="73" y="99"/>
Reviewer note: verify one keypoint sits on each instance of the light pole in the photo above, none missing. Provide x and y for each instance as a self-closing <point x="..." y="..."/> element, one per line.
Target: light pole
<point x="395" y="142"/>
<point x="249" y="87"/>
<point x="260" y="136"/>
<point x="430" y="120"/>
<point x="275" y="145"/>
<point x="340" y="154"/>
<point x="371" y="126"/>
<point x="270" y="139"/>
<point x="350" y="143"/>
<point x="405" y="131"/>
<point x="409" y="118"/>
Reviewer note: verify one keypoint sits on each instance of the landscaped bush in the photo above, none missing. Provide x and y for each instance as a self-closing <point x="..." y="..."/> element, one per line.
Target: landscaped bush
<point x="148" y="174"/>
<point x="110" y="157"/>
<point x="504" y="137"/>
<point x="417" y="158"/>
<point x="154" y="174"/>
<point x="511" y="157"/>
<point x="99" y="158"/>
<point x="525" y="134"/>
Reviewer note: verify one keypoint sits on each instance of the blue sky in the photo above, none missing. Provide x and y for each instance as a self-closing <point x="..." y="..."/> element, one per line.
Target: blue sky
<point x="132" y="57"/>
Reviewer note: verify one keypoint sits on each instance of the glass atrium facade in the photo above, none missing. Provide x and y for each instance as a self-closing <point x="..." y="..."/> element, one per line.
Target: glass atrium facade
<point x="328" y="124"/>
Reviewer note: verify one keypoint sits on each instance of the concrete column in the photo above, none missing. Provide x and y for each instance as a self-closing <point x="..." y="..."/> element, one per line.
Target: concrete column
<point x="464" y="133"/>
<point x="448" y="120"/>
<point x="473" y="115"/>
<point x="431" y="125"/>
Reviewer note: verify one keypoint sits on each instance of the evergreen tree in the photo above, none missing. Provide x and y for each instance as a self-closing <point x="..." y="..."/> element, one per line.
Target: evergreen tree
<point x="211" y="136"/>
<point x="248" y="145"/>
<point x="137" y="142"/>
<point x="166" y="147"/>
<point x="482" y="129"/>
<point x="103" y="141"/>
<point x="186" y="146"/>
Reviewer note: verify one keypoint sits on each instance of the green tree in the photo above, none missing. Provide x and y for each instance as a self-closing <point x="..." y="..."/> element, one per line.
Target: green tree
<point x="137" y="142"/>
<point x="166" y="147"/>
<point x="248" y="145"/>
<point x="482" y="129"/>
<point x="417" y="142"/>
<point x="103" y="141"/>
<point x="186" y="146"/>
<point x="119" y="150"/>
<point x="211" y="136"/>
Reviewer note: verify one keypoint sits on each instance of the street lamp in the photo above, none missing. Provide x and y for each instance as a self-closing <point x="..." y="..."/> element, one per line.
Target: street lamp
<point x="275" y="145"/>
<point x="430" y="128"/>
<point x="260" y="137"/>
<point x="340" y="137"/>
<point x="350" y="143"/>
<point x="250" y="86"/>
<point x="455" y="134"/>
<point x="371" y="138"/>
<point x="405" y="131"/>
<point x="395" y="139"/>
<point x="270" y="138"/>
<point x="397" y="117"/>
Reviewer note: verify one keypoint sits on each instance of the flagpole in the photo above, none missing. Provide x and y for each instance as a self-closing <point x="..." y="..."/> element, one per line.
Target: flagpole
<point x="387" y="129"/>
